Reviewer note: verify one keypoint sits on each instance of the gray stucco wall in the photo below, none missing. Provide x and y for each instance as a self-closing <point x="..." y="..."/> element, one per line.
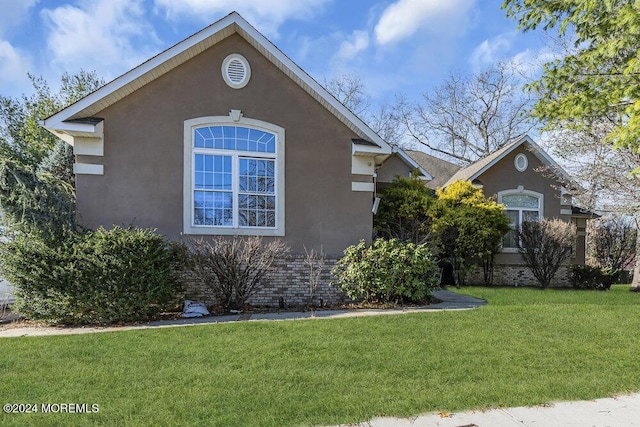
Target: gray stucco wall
<point x="143" y="152"/>
<point x="393" y="167"/>
<point x="504" y="176"/>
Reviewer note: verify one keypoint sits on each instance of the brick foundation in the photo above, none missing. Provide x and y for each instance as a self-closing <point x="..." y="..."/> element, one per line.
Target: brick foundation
<point x="517" y="275"/>
<point x="290" y="281"/>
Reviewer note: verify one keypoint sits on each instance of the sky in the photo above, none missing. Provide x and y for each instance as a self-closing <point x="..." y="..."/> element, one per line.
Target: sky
<point x="394" y="46"/>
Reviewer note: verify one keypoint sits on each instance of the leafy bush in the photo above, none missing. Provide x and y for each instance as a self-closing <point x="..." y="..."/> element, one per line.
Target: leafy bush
<point x="97" y="277"/>
<point x="588" y="277"/>
<point x="386" y="271"/>
<point x="404" y="211"/>
<point x="544" y="246"/>
<point x="468" y="229"/>
<point x="232" y="268"/>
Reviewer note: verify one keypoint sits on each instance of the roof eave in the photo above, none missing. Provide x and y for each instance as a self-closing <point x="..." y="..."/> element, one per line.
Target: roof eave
<point x="182" y="51"/>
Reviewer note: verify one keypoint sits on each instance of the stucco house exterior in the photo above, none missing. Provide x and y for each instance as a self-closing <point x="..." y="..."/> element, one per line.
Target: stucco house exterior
<point x="531" y="185"/>
<point x="222" y="134"/>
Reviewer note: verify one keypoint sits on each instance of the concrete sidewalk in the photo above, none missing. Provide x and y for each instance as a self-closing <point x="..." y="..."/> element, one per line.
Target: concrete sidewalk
<point x="448" y="301"/>
<point x="620" y="411"/>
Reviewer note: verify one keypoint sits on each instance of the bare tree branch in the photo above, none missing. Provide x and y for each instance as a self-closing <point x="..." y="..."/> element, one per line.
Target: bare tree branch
<point x="468" y="118"/>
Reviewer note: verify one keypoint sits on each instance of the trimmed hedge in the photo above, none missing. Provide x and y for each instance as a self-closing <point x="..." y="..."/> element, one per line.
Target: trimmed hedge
<point x="97" y="277"/>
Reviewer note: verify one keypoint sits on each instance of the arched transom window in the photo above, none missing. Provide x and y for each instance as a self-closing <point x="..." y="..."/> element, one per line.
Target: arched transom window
<point x="235" y="179"/>
<point x="520" y="206"/>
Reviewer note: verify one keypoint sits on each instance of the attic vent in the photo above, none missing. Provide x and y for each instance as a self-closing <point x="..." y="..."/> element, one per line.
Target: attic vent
<point x="521" y="162"/>
<point x="236" y="71"/>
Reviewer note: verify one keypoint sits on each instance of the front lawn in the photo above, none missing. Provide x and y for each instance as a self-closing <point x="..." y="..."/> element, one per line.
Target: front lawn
<point x="526" y="347"/>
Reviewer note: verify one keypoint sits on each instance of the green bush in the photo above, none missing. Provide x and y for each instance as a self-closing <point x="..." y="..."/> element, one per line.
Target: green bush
<point x="387" y="271"/>
<point x="588" y="277"/>
<point x="97" y="277"/>
<point x="405" y="211"/>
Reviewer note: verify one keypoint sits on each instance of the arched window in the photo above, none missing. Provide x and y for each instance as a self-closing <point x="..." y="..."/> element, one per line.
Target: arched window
<point x="234" y="177"/>
<point x="520" y="206"/>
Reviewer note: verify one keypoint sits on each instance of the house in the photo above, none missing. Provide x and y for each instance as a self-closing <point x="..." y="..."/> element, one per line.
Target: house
<point x="531" y="185"/>
<point x="222" y="134"/>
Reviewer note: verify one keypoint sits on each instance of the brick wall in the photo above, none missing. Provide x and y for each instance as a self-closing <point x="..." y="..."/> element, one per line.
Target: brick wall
<point x="290" y="281"/>
<point x="517" y="275"/>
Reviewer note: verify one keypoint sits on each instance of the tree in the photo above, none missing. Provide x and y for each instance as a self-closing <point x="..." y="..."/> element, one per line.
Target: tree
<point x="36" y="202"/>
<point x="469" y="228"/>
<point x="598" y="81"/>
<point x="21" y="136"/>
<point x="404" y="212"/>
<point x="601" y="77"/>
<point x="605" y="185"/>
<point x="469" y="117"/>
<point x="613" y="242"/>
<point x="544" y="246"/>
<point x="350" y="90"/>
<point x="36" y="176"/>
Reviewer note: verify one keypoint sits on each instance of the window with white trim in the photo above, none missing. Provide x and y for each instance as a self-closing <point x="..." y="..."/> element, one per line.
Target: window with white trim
<point x="234" y="177"/>
<point x="520" y="206"/>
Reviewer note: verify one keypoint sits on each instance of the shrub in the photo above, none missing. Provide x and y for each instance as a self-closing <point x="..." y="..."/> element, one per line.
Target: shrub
<point x="544" y="246"/>
<point x="386" y="271"/>
<point x="612" y="242"/>
<point x="233" y="269"/>
<point x="588" y="277"/>
<point x="404" y="211"/>
<point x="469" y="229"/>
<point x="97" y="277"/>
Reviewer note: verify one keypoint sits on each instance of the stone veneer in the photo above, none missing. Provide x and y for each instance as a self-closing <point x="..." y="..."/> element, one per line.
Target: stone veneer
<point x="289" y="282"/>
<point x="517" y="275"/>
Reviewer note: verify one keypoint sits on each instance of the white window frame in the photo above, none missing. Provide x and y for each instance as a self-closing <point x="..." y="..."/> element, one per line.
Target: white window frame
<point x="189" y="227"/>
<point x="518" y="192"/>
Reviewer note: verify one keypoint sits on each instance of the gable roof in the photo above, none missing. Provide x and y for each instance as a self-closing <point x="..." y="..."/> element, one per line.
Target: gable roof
<point x="72" y="120"/>
<point x="474" y="170"/>
<point x="439" y="168"/>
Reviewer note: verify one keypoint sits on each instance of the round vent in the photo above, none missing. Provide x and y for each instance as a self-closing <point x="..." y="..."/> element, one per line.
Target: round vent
<point x="521" y="162"/>
<point x="236" y="71"/>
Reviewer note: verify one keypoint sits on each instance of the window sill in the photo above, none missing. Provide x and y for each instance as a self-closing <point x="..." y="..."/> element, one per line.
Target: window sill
<point x="229" y="231"/>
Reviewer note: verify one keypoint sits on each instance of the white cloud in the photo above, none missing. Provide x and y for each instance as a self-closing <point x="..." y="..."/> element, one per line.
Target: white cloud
<point x="404" y="18"/>
<point x="356" y="43"/>
<point x="14" y="66"/>
<point x="530" y="62"/>
<point x="110" y="36"/>
<point x="527" y="62"/>
<point x="266" y="15"/>
<point x="490" y="52"/>
<point x="14" y="12"/>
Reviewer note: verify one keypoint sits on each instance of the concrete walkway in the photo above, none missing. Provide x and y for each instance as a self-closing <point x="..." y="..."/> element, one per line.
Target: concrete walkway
<point x="449" y="301"/>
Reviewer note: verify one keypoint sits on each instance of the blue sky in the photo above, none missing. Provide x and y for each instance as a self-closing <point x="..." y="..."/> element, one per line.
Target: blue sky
<point x="394" y="46"/>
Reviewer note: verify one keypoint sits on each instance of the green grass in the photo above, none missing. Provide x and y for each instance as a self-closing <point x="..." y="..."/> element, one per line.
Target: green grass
<point x="526" y="347"/>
